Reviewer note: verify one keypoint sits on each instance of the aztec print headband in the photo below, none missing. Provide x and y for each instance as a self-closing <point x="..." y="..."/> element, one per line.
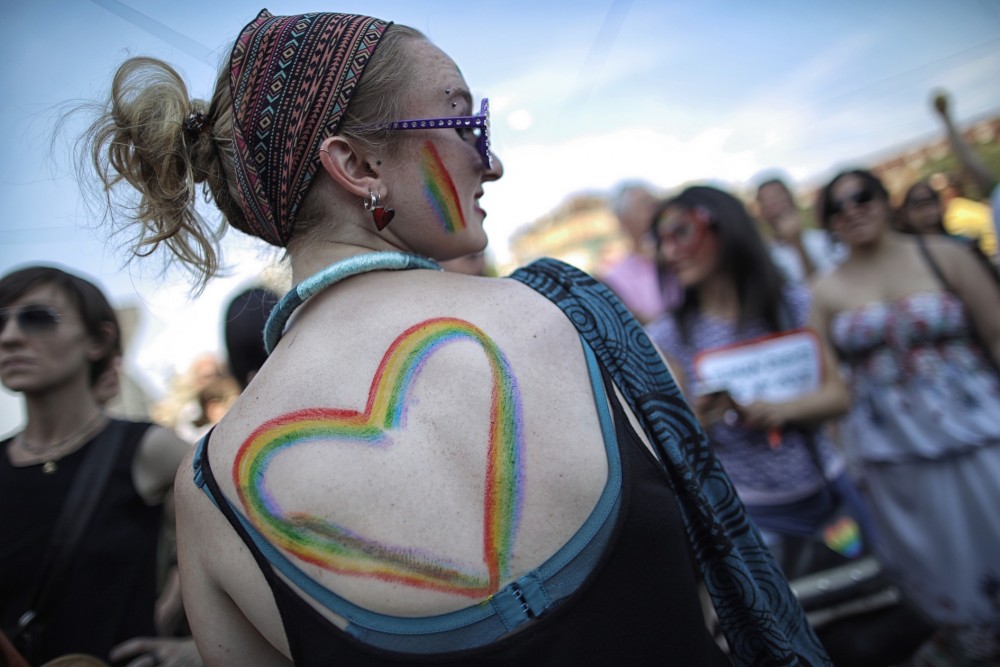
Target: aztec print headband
<point x="291" y="78"/>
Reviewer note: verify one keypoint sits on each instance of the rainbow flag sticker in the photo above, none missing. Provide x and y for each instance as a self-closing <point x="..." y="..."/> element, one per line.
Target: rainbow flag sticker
<point x="844" y="537"/>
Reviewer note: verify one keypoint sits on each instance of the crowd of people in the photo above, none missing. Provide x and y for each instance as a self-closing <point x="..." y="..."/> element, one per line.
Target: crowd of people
<point x="407" y="460"/>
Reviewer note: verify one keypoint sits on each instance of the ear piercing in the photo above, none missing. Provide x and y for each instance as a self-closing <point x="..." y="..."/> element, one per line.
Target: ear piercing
<point x="381" y="215"/>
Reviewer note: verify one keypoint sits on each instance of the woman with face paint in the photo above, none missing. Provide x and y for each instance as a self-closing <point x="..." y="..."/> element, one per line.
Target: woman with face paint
<point x="775" y="453"/>
<point x="917" y="325"/>
<point x="430" y="467"/>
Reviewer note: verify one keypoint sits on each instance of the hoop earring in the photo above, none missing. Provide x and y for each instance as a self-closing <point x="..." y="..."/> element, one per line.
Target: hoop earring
<point x="381" y="215"/>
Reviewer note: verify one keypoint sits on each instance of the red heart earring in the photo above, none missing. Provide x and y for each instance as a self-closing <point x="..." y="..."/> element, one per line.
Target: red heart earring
<point x="381" y="215"/>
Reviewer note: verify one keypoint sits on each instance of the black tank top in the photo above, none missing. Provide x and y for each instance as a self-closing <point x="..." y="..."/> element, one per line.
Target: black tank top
<point x="109" y="591"/>
<point x="638" y="606"/>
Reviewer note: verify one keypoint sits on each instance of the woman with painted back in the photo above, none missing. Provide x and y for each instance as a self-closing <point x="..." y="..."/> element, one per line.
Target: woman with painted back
<point x="430" y="467"/>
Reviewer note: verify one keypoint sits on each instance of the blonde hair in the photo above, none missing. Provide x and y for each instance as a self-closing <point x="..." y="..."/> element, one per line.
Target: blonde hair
<point x="140" y="139"/>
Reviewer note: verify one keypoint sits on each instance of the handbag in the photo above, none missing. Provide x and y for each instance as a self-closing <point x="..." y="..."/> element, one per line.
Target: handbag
<point x="77" y="510"/>
<point x="858" y="612"/>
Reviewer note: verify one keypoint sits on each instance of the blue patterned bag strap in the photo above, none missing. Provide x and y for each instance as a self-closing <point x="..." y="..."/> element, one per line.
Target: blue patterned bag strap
<point x="760" y="617"/>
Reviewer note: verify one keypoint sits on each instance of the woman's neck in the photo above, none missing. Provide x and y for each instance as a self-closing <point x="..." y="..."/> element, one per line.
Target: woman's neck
<point x="879" y="247"/>
<point x="717" y="297"/>
<point x="60" y="413"/>
<point x="313" y="256"/>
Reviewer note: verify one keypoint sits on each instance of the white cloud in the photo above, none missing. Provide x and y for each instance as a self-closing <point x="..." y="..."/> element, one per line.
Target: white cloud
<point x="520" y="120"/>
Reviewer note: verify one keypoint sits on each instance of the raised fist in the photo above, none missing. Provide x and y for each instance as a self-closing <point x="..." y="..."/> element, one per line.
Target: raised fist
<point x="941" y="102"/>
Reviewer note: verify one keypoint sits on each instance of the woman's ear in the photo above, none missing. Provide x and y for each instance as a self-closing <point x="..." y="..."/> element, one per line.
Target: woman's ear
<point x="348" y="167"/>
<point x="102" y="346"/>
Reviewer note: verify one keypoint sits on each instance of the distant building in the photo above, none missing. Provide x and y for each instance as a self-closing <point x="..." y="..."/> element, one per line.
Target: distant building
<point x="132" y="401"/>
<point x="582" y="231"/>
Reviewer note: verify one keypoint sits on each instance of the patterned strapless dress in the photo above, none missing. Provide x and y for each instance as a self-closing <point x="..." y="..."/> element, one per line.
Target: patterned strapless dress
<point x="923" y="435"/>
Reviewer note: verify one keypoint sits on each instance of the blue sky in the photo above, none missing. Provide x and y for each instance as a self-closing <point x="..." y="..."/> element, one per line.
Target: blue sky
<point x="583" y="97"/>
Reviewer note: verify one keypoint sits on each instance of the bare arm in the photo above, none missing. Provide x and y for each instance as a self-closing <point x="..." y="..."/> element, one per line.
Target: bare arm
<point x="155" y="465"/>
<point x="974" y="166"/>
<point x="206" y="556"/>
<point x="788" y="230"/>
<point x="976" y="287"/>
<point x="831" y="399"/>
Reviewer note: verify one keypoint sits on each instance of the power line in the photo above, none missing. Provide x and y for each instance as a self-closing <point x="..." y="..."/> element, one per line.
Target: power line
<point x="883" y="81"/>
<point x="597" y="55"/>
<point x="159" y="30"/>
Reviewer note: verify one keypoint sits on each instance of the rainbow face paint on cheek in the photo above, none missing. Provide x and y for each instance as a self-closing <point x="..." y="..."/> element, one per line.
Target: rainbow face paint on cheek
<point x="337" y="548"/>
<point x="440" y="190"/>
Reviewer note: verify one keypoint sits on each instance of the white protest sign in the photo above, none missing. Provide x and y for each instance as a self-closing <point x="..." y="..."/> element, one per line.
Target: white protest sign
<point x="773" y="368"/>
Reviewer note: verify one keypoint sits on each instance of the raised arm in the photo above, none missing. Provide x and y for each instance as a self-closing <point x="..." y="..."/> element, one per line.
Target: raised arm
<point x="973" y="165"/>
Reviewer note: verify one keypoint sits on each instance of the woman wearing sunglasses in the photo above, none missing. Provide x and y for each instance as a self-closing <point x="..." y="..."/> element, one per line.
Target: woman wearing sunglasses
<point x="59" y="343"/>
<point x="430" y="467"/>
<point x="918" y="332"/>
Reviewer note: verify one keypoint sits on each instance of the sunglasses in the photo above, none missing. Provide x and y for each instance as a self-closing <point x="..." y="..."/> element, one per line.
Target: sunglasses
<point x="859" y="198"/>
<point x="30" y="319"/>
<point x="471" y="128"/>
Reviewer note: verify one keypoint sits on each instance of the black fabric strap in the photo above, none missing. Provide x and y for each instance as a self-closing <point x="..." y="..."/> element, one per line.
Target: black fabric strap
<point x="946" y="286"/>
<point x="932" y="264"/>
<point x="87" y="488"/>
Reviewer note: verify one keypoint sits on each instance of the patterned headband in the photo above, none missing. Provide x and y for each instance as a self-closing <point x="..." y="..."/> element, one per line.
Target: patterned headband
<point x="291" y="78"/>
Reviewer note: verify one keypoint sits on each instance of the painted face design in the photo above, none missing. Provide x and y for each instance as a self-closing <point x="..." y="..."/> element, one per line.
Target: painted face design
<point x="440" y="190"/>
<point x="684" y="231"/>
<point x="336" y="547"/>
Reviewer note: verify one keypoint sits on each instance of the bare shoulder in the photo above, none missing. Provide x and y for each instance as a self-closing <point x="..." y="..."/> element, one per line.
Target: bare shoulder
<point x="160" y="453"/>
<point x="824" y="289"/>
<point x="445" y="389"/>
<point x="956" y="259"/>
<point x="232" y="614"/>
<point x="946" y="248"/>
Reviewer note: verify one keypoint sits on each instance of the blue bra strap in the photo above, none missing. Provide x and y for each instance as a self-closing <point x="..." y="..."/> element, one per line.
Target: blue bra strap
<point x="528" y="597"/>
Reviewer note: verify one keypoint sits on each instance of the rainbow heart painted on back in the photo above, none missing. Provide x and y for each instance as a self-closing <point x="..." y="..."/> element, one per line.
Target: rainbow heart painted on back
<point x="337" y="548"/>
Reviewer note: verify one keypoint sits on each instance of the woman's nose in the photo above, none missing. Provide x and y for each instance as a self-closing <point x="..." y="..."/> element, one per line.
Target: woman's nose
<point x="495" y="171"/>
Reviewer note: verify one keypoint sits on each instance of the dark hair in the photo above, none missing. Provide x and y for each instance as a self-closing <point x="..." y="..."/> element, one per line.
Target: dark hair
<point x="824" y="202"/>
<point x="908" y="200"/>
<point x="89" y="300"/>
<point x="244" y="329"/>
<point x="742" y="254"/>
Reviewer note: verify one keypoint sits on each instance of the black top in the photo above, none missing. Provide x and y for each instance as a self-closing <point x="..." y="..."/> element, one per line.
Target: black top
<point x="110" y="588"/>
<point x="639" y="606"/>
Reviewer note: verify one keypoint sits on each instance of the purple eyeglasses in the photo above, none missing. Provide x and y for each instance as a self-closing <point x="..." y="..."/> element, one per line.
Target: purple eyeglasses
<point x="477" y="126"/>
